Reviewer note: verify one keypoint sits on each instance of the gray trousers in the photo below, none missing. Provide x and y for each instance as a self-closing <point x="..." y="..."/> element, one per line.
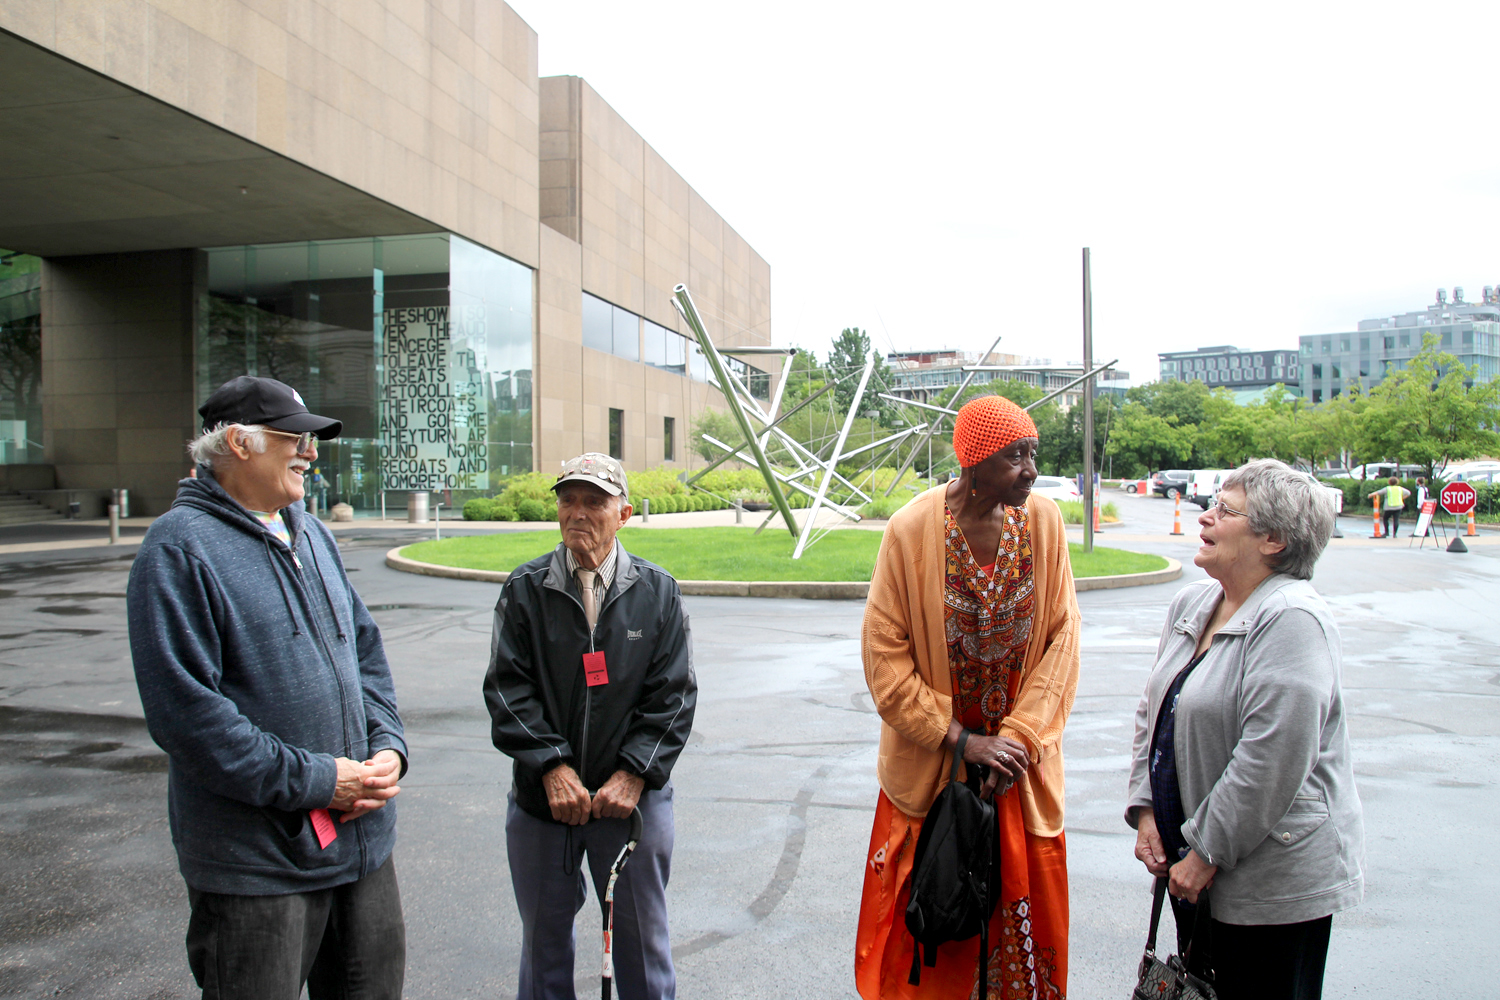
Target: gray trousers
<point x="345" y="943"/>
<point x="546" y="871"/>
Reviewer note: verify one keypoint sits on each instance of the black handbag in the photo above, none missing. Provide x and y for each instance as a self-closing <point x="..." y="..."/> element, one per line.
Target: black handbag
<point x="1171" y="980"/>
<point x="955" y="873"/>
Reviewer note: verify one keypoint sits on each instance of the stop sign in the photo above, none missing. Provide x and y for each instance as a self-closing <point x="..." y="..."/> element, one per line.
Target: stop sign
<point x="1458" y="498"/>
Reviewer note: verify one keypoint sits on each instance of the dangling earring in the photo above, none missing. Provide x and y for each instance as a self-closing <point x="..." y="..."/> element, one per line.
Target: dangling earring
<point x="973" y="492"/>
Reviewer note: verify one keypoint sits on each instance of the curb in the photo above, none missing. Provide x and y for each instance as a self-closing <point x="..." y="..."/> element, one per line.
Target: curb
<point x="811" y="590"/>
<point x="1172" y="571"/>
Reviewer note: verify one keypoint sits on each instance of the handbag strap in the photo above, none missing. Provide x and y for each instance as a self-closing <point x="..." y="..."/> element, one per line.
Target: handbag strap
<point x="1158" y="897"/>
<point x="958" y="753"/>
<point x="1200" y="952"/>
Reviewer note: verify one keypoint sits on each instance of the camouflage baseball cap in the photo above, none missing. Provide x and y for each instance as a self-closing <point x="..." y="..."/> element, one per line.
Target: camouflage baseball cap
<point x="593" y="467"/>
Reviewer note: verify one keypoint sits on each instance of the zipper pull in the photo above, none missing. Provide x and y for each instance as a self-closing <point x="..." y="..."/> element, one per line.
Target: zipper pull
<point x="296" y="560"/>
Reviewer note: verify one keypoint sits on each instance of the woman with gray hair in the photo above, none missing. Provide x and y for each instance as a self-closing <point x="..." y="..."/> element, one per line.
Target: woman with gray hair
<point x="1241" y="778"/>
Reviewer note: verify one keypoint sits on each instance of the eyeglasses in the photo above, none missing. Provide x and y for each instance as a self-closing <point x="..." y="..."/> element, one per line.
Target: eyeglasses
<point x="304" y="440"/>
<point x="1220" y="508"/>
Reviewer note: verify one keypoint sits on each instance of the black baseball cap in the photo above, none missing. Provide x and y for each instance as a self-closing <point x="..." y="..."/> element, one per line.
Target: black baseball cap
<point x="251" y="400"/>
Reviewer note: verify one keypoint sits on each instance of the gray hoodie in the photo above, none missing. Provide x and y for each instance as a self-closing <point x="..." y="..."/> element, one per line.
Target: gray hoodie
<point x="258" y="665"/>
<point x="1263" y="761"/>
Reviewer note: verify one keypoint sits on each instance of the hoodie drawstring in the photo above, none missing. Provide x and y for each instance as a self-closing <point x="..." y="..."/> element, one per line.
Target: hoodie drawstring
<point x="327" y="597"/>
<point x="280" y="583"/>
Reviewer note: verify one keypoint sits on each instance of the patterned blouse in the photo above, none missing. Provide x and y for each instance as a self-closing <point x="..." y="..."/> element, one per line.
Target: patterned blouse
<point x="987" y="616"/>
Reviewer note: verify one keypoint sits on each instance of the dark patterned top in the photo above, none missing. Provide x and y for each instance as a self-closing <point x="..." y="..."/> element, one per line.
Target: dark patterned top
<point x="1166" y="798"/>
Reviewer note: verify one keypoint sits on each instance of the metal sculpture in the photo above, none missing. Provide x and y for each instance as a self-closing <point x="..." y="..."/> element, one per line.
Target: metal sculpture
<point x="834" y="491"/>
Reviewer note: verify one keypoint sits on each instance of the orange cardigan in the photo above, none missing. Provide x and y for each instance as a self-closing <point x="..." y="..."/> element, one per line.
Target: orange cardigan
<point x="906" y="661"/>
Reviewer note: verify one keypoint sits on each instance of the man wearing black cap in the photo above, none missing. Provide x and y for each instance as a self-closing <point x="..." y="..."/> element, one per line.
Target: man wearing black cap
<point x="263" y="677"/>
<point x="591" y="692"/>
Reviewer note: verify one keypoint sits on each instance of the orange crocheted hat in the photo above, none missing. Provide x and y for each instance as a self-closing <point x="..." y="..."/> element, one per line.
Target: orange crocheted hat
<point x="987" y="424"/>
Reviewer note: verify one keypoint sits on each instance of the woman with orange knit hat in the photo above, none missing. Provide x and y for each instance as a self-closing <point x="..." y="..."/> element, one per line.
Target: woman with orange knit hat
<point x="972" y="626"/>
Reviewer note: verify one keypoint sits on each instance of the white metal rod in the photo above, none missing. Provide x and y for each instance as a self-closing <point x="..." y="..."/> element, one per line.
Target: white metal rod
<point x="838" y="448"/>
<point x="1058" y="392"/>
<point x="913" y="402"/>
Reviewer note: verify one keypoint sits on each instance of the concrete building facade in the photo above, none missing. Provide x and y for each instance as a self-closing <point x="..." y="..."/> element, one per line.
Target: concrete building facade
<point x="385" y="206"/>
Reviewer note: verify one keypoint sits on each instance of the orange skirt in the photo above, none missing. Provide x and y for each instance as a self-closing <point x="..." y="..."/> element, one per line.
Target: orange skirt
<point x="1028" y="931"/>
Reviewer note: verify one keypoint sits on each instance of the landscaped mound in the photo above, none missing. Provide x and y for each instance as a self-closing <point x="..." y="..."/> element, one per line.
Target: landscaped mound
<point x="732" y="554"/>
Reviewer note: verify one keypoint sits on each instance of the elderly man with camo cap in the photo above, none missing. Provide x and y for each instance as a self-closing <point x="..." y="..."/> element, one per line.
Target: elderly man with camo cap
<point x="591" y="691"/>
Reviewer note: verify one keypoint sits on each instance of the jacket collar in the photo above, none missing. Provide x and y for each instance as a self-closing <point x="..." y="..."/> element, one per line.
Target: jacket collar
<point x="1195" y="616"/>
<point x="558" y="577"/>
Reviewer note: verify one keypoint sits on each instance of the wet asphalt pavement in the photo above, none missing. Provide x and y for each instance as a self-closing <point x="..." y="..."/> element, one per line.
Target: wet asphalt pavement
<point x="774" y="794"/>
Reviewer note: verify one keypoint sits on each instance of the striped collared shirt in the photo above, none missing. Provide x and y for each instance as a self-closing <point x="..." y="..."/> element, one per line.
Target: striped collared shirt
<point x="606" y="569"/>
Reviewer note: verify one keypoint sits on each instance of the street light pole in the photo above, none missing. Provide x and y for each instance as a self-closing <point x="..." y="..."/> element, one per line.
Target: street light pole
<point x="1088" y="407"/>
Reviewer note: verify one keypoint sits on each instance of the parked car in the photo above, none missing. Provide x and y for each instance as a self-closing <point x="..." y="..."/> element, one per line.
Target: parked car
<point x="1170" y="483"/>
<point x="1203" y="487"/>
<point x="1056" y="488"/>
<point x="1334" y="473"/>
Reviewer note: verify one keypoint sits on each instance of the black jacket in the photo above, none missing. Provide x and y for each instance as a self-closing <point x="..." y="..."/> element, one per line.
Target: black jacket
<point x="542" y="711"/>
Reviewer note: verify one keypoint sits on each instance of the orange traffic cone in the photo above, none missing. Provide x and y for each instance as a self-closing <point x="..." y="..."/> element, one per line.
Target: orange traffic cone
<point x="1471" y="532"/>
<point x="1177" y="515"/>
<point x="1375" y="499"/>
<point x="1095" y="505"/>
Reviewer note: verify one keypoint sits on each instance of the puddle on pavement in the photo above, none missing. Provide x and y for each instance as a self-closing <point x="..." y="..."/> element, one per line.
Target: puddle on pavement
<point x="82" y="632"/>
<point x="22" y="572"/>
<point x="64" y="609"/>
<point x="412" y="607"/>
<point x="79" y="595"/>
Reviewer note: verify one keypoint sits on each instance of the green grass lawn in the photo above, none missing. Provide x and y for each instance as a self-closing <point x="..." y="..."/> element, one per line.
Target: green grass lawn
<point x="731" y="553"/>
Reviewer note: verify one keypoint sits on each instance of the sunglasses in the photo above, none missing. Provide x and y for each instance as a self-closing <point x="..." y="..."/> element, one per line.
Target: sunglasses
<point x="304" y="440"/>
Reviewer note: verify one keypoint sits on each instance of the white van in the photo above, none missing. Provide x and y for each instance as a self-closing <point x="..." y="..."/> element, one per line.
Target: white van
<point x="1471" y="472"/>
<point x="1203" y="487"/>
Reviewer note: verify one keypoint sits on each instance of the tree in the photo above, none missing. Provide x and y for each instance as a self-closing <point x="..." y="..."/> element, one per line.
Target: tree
<point x="717" y="424"/>
<point x="1331" y="430"/>
<point x="1146" y="439"/>
<point x="846" y="361"/>
<point x="1432" y="412"/>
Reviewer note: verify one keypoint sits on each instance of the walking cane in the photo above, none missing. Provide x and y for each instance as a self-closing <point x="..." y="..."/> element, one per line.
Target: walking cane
<point x="609" y="901"/>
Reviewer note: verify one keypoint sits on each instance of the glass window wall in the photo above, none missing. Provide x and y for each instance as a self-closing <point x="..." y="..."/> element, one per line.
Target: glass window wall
<point x="20" y="359"/>
<point x="421" y="345"/>
<point x="620" y="332"/>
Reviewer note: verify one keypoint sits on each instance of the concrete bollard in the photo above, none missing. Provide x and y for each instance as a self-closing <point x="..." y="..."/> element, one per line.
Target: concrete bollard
<point x="646" y="515"/>
<point x="739" y="511"/>
<point x="114" y="524"/>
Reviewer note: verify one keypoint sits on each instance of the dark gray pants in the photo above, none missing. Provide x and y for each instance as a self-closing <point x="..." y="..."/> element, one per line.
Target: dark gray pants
<point x="546" y="871"/>
<point x="345" y="943"/>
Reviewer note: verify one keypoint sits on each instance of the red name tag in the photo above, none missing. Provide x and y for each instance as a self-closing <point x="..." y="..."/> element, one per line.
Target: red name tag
<point x="324" y="827"/>
<point x="593" y="669"/>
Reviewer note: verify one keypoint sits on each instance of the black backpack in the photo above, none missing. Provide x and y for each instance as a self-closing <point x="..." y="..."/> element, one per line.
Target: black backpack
<point x="955" y="879"/>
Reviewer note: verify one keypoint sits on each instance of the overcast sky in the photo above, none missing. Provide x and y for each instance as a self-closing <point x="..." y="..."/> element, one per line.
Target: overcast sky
<point x="930" y="171"/>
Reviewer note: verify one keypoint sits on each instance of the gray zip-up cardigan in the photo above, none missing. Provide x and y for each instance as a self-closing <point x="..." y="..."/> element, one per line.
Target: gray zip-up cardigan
<point x="1263" y="761"/>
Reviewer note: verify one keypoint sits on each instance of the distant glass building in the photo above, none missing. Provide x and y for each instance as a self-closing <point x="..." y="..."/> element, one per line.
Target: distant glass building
<point x="1231" y="368"/>
<point x="1331" y="361"/>
<point x="922" y="375"/>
